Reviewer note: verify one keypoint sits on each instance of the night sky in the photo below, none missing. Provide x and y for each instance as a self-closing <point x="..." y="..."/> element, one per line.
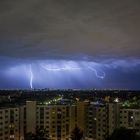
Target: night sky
<point x="70" y="44"/>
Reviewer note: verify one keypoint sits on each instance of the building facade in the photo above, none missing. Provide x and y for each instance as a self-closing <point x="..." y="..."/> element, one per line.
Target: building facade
<point x="96" y="120"/>
<point x="9" y="123"/>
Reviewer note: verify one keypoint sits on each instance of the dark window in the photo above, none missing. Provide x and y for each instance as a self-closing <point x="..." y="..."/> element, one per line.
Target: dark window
<point x="67" y="111"/>
<point x="42" y="113"/>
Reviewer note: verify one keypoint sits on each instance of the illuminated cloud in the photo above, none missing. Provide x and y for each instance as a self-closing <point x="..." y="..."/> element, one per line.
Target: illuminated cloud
<point x="70" y="44"/>
<point x="72" y="74"/>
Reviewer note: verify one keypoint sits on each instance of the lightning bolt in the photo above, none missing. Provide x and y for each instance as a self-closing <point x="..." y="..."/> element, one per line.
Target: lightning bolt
<point x="67" y="68"/>
<point x="31" y="77"/>
<point x="96" y="73"/>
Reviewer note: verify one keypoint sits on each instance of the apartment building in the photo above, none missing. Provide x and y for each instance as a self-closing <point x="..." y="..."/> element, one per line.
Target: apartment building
<point x="9" y="123"/>
<point x="130" y="118"/>
<point x="96" y="123"/>
<point x="96" y="120"/>
<point x="102" y="120"/>
<point x="57" y="120"/>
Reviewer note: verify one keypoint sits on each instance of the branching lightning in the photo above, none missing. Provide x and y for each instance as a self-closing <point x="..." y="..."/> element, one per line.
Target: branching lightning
<point x="58" y="73"/>
<point x="31" y="77"/>
<point x="67" y="68"/>
<point x="96" y="73"/>
<point x="67" y="73"/>
<point x="71" y="68"/>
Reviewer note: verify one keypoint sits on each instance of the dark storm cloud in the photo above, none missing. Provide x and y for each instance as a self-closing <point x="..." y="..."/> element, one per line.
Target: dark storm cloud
<point x="104" y="33"/>
<point x="63" y="28"/>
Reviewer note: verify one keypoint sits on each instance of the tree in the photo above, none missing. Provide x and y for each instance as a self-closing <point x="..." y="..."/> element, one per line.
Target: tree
<point x="29" y="136"/>
<point x="41" y="134"/>
<point x="76" y="134"/>
<point x="122" y="134"/>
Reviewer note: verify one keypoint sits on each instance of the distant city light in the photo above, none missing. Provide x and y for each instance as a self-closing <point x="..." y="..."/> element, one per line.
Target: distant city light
<point x="116" y="100"/>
